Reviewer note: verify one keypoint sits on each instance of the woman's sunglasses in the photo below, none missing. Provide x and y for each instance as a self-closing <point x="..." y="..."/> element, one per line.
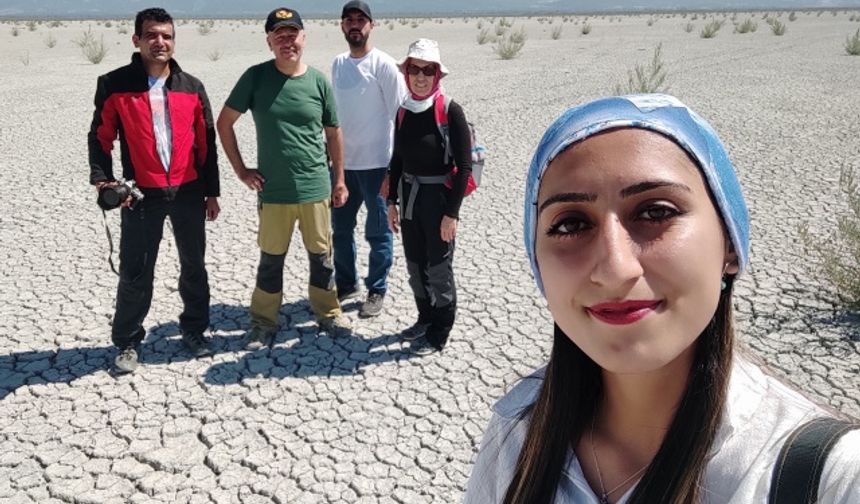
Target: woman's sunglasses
<point x="429" y="70"/>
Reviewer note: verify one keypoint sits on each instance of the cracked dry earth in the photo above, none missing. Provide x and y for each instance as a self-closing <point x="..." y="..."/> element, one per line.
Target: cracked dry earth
<point x="362" y="419"/>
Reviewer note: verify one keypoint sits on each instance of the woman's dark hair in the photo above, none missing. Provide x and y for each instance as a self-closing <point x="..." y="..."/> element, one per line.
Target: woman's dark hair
<point x="569" y="397"/>
<point x="156" y="14"/>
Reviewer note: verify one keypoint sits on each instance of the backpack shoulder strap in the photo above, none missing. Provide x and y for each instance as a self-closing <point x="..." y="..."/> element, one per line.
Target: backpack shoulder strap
<point x="797" y="472"/>
<point x="440" y="113"/>
<point x="400" y="113"/>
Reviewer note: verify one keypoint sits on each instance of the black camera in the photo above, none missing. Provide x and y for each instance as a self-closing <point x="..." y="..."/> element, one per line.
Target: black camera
<point x="112" y="196"/>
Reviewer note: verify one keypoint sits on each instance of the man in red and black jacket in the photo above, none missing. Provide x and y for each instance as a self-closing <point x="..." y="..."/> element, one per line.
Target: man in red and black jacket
<point x="167" y="146"/>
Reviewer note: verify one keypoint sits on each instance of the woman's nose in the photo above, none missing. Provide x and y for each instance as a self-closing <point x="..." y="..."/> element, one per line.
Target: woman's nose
<point x="617" y="255"/>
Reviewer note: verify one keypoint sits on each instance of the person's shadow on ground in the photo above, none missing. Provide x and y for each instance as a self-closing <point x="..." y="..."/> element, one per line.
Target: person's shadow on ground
<point x="298" y="351"/>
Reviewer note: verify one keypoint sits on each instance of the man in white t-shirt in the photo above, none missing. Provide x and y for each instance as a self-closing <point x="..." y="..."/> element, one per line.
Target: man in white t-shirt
<point x="368" y="90"/>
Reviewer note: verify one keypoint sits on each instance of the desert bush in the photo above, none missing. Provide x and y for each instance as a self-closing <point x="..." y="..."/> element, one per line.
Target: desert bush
<point x="504" y="22"/>
<point x="586" y="28"/>
<point x="838" y="253"/>
<point x="108" y="24"/>
<point x="556" y="32"/>
<point x="87" y="38"/>
<point x="747" y="26"/>
<point x="391" y="26"/>
<point x="484" y="36"/>
<point x="93" y="50"/>
<point x="121" y="29"/>
<point x="792" y="16"/>
<point x="688" y="27"/>
<point x="480" y="24"/>
<point x="31" y="25"/>
<point x="510" y="45"/>
<point x="777" y="27"/>
<point x="25" y="58"/>
<point x="55" y="24"/>
<point x="414" y="24"/>
<point x="205" y="27"/>
<point x="15" y="31"/>
<point x="650" y="21"/>
<point x="214" y="54"/>
<point x="710" y="30"/>
<point x="501" y="29"/>
<point x="519" y="36"/>
<point x="50" y="41"/>
<point x="650" y="78"/>
<point x="852" y="44"/>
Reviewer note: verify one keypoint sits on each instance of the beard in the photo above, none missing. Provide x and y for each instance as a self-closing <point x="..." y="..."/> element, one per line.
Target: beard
<point x="359" y="42"/>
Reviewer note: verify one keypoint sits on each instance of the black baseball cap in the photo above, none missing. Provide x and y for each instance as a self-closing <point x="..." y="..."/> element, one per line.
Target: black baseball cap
<point x="356" y="5"/>
<point x="283" y="17"/>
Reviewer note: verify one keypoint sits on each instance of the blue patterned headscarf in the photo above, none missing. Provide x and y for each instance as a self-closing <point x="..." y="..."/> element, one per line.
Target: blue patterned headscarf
<point x="661" y="113"/>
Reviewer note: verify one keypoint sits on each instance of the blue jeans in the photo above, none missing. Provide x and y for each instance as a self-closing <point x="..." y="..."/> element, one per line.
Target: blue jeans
<point x="363" y="186"/>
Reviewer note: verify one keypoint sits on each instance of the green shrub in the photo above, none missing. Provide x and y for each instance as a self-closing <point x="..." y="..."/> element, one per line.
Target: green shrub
<point x="838" y="253"/>
<point x="108" y="24"/>
<point x="778" y="28"/>
<point x="650" y="21"/>
<point x="501" y="29"/>
<point x="510" y="45"/>
<point x="50" y="41"/>
<point x="93" y="50"/>
<point x="688" y="27"/>
<point x="484" y="36"/>
<point x="650" y="78"/>
<point x="852" y="44"/>
<point x="747" y="26"/>
<point x="55" y="24"/>
<point x="15" y="31"/>
<point x="586" y="29"/>
<point x="480" y="24"/>
<point x="205" y="27"/>
<point x="710" y="30"/>
<point x="555" y="34"/>
<point x="31" y="25"/>
<point x="792" y="16"/>
<point x="214" y="54"/>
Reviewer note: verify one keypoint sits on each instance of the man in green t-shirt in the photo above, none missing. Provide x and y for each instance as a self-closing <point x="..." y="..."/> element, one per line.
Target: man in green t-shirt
<point x="292" y="105"/>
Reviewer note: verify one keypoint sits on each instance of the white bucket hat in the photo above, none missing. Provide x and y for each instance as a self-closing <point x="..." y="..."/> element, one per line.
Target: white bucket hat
<point x="427" y="50"/>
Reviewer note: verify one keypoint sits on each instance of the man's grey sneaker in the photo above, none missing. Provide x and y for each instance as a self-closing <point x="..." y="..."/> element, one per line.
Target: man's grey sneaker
<point x="422" y="347"/>
<point x="416" y="331"/>
<point x="196" y="343"/>
<point x="126" y="361"/>
<point x="335" y="326"/>
<point x="372" y="306"/>
<point x="347" y="295"/>
<point x="257" y="338"/>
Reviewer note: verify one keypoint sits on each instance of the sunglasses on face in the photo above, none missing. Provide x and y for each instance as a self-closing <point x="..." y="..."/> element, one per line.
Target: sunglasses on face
<point x="429" y="70"/>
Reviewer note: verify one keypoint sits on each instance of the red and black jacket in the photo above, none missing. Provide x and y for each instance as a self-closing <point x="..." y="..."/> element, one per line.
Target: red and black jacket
<point x="122" y="107"/>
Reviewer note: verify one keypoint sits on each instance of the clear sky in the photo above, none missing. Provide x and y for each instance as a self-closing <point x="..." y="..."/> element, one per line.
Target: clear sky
<point x="331" y="8"/>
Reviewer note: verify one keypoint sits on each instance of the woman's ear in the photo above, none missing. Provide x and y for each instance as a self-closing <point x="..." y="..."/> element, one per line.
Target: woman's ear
<point x="731" y="262"/>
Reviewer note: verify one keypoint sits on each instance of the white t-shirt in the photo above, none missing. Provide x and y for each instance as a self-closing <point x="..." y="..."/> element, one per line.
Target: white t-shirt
<point x="368" y="92"/>
<point x="760" y="413"/>
<point x="161" y="120"/>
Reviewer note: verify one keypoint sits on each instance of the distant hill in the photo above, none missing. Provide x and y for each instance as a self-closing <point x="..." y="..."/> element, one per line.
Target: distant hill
<point x="387" y="8"/>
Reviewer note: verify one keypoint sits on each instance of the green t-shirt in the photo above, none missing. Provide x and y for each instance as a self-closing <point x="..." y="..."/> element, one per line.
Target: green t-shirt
<point x="289" y="115"/>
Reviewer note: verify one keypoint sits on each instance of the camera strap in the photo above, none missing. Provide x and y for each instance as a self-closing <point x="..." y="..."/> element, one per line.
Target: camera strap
<point x="110" y="243"/>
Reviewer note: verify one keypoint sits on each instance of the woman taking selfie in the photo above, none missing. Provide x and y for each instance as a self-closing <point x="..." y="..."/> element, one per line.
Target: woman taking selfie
<point x="424" y="195"/>
<point x="636" y="227"/>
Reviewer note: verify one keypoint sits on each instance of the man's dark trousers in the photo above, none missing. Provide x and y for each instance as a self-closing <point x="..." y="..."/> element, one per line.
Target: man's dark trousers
<point x="142" y="229"/>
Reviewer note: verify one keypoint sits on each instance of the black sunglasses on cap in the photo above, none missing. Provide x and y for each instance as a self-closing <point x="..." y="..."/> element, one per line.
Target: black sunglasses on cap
<point x="429" y="70"/>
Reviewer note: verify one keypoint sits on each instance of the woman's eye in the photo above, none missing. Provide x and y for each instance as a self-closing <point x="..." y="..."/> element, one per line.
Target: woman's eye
<point x="658" y="213"/>
<point x="568" y="226"/>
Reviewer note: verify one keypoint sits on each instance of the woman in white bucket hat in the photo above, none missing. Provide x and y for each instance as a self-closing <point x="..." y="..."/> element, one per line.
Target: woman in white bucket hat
<point x="425" y="192"/>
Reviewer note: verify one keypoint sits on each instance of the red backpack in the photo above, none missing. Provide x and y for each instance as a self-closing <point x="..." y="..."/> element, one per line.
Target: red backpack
<point x="440" y="113"/>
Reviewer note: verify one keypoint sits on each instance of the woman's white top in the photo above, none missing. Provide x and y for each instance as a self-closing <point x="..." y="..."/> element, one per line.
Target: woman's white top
<point x="760" y="413"/>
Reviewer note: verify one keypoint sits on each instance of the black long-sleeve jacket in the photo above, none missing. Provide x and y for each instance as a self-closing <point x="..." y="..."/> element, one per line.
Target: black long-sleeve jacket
<point x="123" y="108"/>
<point x="419" y="149"/>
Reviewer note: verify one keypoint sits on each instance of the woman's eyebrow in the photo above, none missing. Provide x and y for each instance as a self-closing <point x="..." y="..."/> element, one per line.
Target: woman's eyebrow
<point x="649" y="185"/>
<point x="571" y="197"/>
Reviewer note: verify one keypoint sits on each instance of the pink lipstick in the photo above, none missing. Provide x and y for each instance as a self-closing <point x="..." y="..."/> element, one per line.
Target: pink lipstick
<point x="622" y="312"/>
